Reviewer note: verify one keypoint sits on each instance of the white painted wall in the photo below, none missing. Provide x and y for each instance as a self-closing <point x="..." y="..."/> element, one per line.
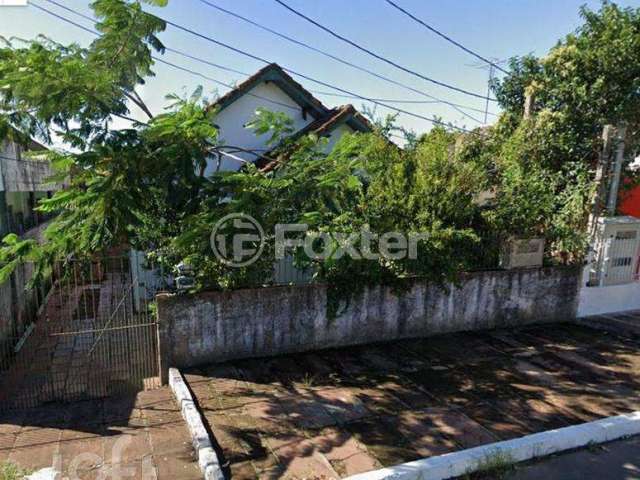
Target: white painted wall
<point x="24" y="175"/>
<point x="232" y="121"/>
<point x="607" y="298"/>
<point x="611" y="299"/>
<point x="336" y="135"/>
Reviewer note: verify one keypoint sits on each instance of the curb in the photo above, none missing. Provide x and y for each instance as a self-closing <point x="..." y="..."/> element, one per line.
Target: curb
<point x="206" y="455"/>
<point x="517" y="450"/>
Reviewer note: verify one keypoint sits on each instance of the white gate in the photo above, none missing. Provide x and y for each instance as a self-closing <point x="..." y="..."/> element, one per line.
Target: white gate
<point x="617" y="252"/>
<point x="611" y="281"/>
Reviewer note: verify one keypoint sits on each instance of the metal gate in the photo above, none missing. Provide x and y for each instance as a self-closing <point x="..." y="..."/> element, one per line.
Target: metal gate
<point x="91" y="338"/>
<point x="617" y="252"/>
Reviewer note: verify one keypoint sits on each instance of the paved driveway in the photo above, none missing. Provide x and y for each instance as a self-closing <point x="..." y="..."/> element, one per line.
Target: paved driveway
<point x="139" y="437"/>
<point x="334" y="413"/>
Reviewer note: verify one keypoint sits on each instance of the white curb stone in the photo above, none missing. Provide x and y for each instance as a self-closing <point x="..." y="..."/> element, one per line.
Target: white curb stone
<point x="48" y="473"/>
<point x="520" y="449"/>
<point x="207" y="458"/>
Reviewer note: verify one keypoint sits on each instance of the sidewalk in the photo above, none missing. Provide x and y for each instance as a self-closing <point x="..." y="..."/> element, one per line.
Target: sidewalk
<point x="335" y="413"/>
<point x="618" y="460"/>
<point x="138" y="437"/>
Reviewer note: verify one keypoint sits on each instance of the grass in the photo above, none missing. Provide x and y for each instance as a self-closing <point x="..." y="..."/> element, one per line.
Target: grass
<point x="495" y="465"/>
<point x="308" y="380"/>
<point x="10" y="471"/>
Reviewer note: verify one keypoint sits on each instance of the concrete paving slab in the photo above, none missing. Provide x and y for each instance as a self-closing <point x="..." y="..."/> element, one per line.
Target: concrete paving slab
<point x="392" y="403"/>
<point x="142" y="433"/>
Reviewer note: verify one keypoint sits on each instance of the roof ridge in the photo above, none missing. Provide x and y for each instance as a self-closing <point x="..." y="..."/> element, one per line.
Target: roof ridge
<point x="246" y="85"/>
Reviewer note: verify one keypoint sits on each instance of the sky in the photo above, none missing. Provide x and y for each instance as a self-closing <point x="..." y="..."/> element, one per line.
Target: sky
<point x="497" y="29"/>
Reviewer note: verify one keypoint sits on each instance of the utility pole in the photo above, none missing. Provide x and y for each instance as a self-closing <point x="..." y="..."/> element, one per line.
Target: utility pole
<point x="602" y="172"/>
<point x="491" y="68"/>
<point x="529" y="103"/>
<point x="486" y="106"/>
<point x="617" y="169"/>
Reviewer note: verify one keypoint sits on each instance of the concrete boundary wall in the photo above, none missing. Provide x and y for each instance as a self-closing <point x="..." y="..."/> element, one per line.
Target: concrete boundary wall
<point x="218" y="326"/>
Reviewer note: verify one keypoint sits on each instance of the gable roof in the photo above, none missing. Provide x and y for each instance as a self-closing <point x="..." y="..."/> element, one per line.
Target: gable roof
<point x="274" y="73"/>
<point x="335" y="117"/>
<point x="345" y="114"/>
<point x="325" y="119"/>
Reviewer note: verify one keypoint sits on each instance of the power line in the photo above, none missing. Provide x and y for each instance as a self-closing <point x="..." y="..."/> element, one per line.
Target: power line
<point x="255" y="57"/>
<point x="187" y="70"/>
<point x="184" y="69"/>
<point x="457" y="107"/>
<point x="446" y="37"/>
<point x="168" y="49"/>
<point x="211" y="79"/>
<point x="380" y="57"/>
<point x="240" y="72"/>
<point x="306" y="77"/>
<point x="393" y="100"/>
<point x="180" y="27"/>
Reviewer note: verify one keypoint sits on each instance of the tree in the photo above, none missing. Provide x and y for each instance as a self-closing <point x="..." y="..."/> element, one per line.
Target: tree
<point x="544" y="166"/>
<point x="589" y="79"/>
<point x="144" y="186"/>
<point x="125" y="186"/>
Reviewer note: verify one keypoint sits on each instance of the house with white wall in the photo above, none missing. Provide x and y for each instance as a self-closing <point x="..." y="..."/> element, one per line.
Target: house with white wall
<point x="270" y="88"/>
<point x="273" y="89"/>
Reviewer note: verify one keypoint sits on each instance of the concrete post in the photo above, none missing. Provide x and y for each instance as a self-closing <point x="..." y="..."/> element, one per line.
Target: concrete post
<point x="164" y="337"/>
<point x="529" y="103"/>
<point x="600" y="178"/>
<point x="617" y="170"/>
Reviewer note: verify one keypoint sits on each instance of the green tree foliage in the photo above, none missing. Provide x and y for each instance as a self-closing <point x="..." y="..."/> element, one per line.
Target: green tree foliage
<point x="589" y="79"/>
<point x="365" y="183"/>
<point x="144" y="186"/>
<point x="124" y="186"/>
<point x="544" y="166"/>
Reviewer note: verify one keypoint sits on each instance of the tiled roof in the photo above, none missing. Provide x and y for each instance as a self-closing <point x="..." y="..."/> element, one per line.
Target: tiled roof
<point x="324" y="119"/>
<point x="323" y="126"/>
<point x="274" y="72"/>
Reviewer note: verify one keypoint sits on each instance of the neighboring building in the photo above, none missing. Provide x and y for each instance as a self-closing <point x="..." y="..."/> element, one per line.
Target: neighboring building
<point x="629" y="203"/>
<point x="23" y="182"/>
<point x="273" y="89"/>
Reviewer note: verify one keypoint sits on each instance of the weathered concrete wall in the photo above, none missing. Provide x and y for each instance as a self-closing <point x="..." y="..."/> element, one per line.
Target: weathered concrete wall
<point x="217" y="326"/>
<point x="18" y="306"/>
<point x="21" y="173"/>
